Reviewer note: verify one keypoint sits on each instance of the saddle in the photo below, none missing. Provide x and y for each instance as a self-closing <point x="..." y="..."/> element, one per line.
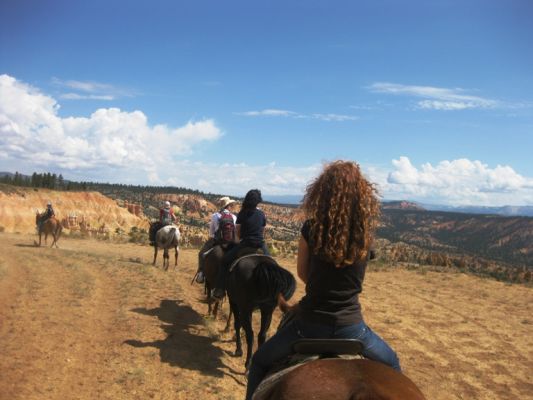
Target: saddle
<point x="304" y="351"/>
<point x="247" y="252"/>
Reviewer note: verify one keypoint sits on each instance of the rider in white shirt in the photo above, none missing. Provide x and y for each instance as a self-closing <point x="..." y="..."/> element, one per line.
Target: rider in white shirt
<point x="226" y="205"/>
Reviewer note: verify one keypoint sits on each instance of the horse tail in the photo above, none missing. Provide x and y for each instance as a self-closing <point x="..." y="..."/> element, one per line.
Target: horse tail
<point x="170" y="237"/>
<point x="272" y="280"/>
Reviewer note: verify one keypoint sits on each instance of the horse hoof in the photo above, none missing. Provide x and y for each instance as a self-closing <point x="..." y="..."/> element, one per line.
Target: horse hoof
<point x="238" y="353"/>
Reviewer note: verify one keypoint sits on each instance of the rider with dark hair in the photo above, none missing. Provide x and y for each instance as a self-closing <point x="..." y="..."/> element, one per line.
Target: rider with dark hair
<point x="250" y="228"/>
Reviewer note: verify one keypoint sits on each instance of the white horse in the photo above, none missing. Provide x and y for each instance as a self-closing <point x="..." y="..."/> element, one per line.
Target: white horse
<point x="166" y="238"/>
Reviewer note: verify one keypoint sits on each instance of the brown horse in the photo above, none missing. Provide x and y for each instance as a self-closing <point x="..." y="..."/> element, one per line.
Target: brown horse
<point x="50" y="226"/>
<point x="339" y="379"/>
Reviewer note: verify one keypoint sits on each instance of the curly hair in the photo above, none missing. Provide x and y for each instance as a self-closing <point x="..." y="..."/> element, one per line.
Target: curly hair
<point x="343" y="210"/>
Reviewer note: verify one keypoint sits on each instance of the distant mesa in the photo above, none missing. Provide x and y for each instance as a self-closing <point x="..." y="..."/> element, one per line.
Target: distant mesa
<point x="401" y="205"/>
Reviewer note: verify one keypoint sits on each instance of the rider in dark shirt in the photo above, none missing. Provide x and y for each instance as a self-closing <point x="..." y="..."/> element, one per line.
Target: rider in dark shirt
<point x="47" y="214"/>
<point x="250" y="226"/>
<point x="342" y="210"/>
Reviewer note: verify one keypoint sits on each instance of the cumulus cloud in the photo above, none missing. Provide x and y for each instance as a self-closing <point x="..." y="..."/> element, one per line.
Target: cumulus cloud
<point x="34" y="133"/>
<point x="436" y="98"/>
<point x="456" y="182"/>
<point x="237" y="178"/>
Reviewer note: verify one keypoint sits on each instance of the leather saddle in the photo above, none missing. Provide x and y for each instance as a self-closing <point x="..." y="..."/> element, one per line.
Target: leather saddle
<point x="304" y="351"/>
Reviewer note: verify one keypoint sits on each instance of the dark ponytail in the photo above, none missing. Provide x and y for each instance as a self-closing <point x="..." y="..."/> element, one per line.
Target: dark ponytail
<point x="252" y="199"/>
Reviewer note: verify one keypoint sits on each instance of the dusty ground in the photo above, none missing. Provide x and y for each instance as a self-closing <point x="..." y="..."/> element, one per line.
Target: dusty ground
<point x="95" y="320"/>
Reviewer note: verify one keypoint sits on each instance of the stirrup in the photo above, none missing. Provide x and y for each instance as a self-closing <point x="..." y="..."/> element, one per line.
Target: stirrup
<point x="200" y="278"/>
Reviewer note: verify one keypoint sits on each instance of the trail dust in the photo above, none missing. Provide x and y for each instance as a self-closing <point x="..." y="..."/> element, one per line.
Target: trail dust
<point x="94" y="319"/>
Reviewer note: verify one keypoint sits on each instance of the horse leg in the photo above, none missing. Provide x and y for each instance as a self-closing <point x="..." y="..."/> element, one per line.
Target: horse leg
<point x="165" y="259"/>
<point x="215" y="308"/>
<point x="176" y="257"/>
<point x="155" y="253"/>
<point x="53" y="238"/>
<point x="57" y="233"/>
<point x="40" y="234"/>
<point x="226" y="329"/>
<point x="207" y="290"/>
<point x="237" y="326"/>
<point x="266" y="320"/>
<point x="246" y="321"/>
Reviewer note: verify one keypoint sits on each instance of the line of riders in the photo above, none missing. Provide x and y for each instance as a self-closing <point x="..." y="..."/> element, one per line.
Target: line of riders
<point x="342" y="211"/>
<point x="236" y="234"/>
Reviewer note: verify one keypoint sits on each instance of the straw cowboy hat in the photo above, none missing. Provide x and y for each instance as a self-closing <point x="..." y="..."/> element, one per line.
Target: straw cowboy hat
<point x="225" y="201"/>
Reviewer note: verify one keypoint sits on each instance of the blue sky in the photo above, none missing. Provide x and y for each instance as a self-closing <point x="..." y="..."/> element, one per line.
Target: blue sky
<point x="433" y="99"/>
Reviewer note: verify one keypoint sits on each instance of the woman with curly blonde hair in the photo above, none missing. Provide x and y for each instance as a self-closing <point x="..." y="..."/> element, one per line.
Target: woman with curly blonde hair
<point x="342" y="211"/>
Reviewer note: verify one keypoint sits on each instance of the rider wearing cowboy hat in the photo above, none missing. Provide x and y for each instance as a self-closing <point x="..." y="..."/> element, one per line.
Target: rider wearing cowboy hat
<point x="47" y="214"/>
<point x="225" y="205"/>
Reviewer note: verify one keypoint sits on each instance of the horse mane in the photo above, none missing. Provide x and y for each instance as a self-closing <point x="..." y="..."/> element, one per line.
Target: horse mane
<point x="271" y="280"/>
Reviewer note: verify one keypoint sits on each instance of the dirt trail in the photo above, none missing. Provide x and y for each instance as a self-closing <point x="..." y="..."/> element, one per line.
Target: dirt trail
<point x="95" y="320"/>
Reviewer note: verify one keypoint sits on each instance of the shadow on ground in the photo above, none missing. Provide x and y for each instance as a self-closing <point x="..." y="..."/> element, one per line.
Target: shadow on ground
<point x="34" y="245"/>
<point x="184" y="345"/>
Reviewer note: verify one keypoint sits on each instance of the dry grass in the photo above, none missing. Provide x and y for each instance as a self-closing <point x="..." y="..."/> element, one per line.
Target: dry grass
<point x="95" y="320"/>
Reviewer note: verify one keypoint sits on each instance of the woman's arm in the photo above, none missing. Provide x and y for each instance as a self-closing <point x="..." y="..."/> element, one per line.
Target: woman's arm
<point x="302" y="260"/>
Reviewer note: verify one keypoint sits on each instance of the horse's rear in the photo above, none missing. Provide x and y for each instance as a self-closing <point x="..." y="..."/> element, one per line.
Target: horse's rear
<point x="49" y="227"/>
<point x="212" y="263"/>
<point x="166" y="238"/>
<point x="256" y="282"/>
<point x="340" y="379"/>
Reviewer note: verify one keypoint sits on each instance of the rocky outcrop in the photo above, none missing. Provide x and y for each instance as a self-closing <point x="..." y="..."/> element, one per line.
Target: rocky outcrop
<point x="89" y="211"/>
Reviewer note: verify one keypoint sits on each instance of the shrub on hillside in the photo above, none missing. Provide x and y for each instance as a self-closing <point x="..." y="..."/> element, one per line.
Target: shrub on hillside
<point x="137" y="235"/>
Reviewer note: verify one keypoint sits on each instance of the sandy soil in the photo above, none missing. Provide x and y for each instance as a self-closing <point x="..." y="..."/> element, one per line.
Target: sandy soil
<point x="95" y="320"/>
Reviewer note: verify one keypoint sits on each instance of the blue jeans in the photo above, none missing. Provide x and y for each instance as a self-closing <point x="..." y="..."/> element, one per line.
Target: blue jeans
<point x="278" y="347"/>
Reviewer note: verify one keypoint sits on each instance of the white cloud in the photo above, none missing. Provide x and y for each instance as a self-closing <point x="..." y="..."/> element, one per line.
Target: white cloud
<point x="335" y="117"/>
<point x="108" y="140"/>
<point x="76" y="96"/>
<point x="272" y="112"/>
<point x="436" y="98"/>
<point x="457" y="182"/>
<point x="235" y="179"/>
<point x="269" y="112"/>
<point x="91" y="90"/>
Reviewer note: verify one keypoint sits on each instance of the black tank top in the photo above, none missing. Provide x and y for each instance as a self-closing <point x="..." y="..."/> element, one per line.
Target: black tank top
<point x="331" y="294"/>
